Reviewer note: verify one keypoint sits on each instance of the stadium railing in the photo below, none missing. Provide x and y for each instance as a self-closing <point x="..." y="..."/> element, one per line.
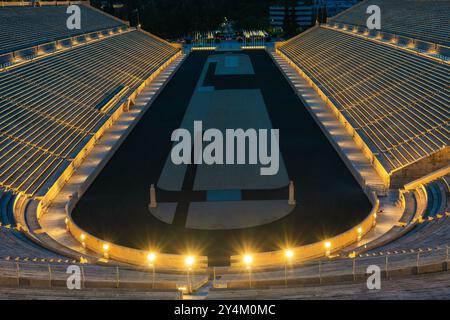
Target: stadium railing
<point x="29" y="26"/>
<point x="433" y="50"/>
<point x="125" y="254"/>
<point x="42" y="50"/>
<point x="319" y="249"/>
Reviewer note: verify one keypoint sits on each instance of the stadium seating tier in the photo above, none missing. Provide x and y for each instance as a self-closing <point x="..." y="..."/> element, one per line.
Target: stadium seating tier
<point x="23" y="27"/>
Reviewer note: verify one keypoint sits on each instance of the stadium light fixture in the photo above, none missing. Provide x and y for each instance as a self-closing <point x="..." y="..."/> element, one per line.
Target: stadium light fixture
<point x="248" y="259"/>
<point x="151" y="257"/>
<point x="105" y="250"/>
<point x="360" y="230"/>
<point x="327" y="246"/>
<point x="289" y="254"/>
<point x="189" y="261"/>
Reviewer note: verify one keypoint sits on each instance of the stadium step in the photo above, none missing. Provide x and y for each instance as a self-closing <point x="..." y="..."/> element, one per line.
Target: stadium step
<point x="201" y="293"/>
<point x="397" y="136"/>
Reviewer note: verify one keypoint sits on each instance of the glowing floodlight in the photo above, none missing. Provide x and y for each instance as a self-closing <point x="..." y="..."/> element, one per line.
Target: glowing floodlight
<point x="248" y="259"/>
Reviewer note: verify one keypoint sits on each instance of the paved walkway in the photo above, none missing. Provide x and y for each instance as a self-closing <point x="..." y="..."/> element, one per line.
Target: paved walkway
<point x="86" y="294"/>
<point x="53" y="221"/>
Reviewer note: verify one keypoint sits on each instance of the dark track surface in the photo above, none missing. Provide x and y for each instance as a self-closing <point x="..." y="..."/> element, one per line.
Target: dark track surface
<point x="329" y="200"/>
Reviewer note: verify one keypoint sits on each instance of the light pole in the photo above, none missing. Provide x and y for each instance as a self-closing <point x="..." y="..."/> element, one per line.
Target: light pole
<point x="288" y="254"/>
<point x="248" y="259"/>
<point x="83" y="238"/>
<point x="151" y="257"/>
<point x="189" y="261"/>
<point x="327" y="246"/>
<point x="105" y="250"/>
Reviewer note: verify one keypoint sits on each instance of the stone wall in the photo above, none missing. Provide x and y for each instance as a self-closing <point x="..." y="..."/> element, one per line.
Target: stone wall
<point x="421" y="168"/>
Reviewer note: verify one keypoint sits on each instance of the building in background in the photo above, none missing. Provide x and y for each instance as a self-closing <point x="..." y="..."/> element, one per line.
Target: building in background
<point x="307" y="12"/>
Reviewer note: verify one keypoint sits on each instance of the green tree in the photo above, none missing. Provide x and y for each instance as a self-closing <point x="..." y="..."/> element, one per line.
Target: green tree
<point x="175" y="18"/>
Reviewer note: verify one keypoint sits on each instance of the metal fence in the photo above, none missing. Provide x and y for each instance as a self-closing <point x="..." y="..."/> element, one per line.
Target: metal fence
<point x="346" y="269"/>
<point x="22" y="273"/>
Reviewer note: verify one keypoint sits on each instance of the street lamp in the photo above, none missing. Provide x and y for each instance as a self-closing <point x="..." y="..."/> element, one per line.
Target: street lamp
<point x="151" y="257"/>
<point x="189" y="261"/>
<point x="83" y="238"/>
<point x="359" y="233"/>
<point x="105" y="250"/>
<point x="289" y="254"/>
<point x="327" y="246"/>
